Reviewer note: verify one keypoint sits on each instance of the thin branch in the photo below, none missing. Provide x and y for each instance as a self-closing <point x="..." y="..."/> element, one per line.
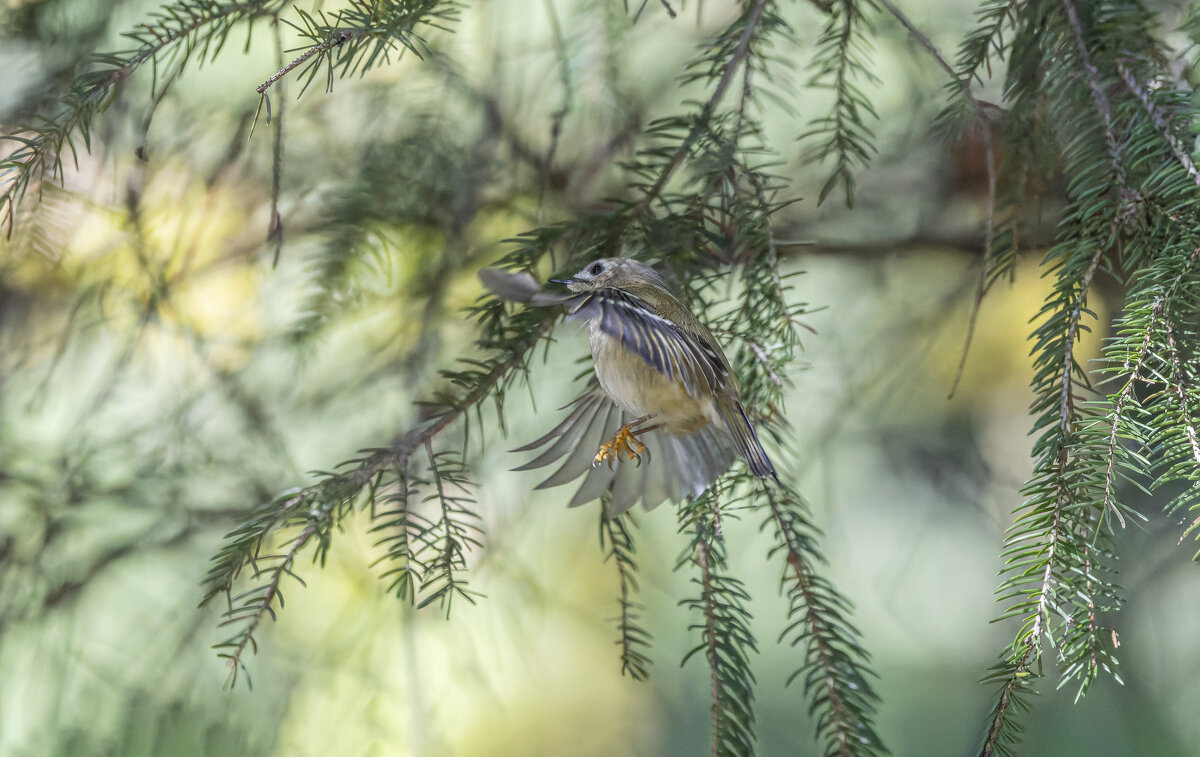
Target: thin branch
<point x="818" y="633"/>
<point x="989" y="237"/>
<point x="990" y="229"/>
<point x="275" y="232"/>
<point x="1099" y="96"/>
<point x="1180" y="384"/>
<point x="1066" y="405"/>
<point x="739" y="55"/>
<point x="1164" y="127"/>
<point x="336" y="40"/>
<point x="1118" y="412"/>
<point x="1005" y="702"/>
<point x="925" y="42"/>
<point x="556" y="118"/>
<point x="710" y="635"/>
<point x="272" y="591"/>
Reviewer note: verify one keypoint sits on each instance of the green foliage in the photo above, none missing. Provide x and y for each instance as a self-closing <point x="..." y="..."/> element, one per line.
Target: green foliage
<point x="842" y="66"/>
<point x="182" y="33"/>
<point x="367" y="34"/>
<point x="726" y="640"/>
<point x="1091" y="115"/>
<point x="1114" y="138"/>
<point x="836" y="672"/>
<point x="616" y="539"/>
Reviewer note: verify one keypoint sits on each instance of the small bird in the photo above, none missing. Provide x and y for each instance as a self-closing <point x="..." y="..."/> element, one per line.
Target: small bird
<point x="659" y="369"/>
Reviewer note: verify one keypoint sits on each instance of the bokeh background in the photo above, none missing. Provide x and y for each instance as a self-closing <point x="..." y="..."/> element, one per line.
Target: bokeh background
<point x="159" y="377"/>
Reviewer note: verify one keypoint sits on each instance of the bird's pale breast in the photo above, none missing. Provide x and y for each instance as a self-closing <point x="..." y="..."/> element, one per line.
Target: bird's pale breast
<point x="639" y="389"/>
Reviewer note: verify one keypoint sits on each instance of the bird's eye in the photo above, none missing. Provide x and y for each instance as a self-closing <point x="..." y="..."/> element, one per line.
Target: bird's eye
<point x="596" y="269"/>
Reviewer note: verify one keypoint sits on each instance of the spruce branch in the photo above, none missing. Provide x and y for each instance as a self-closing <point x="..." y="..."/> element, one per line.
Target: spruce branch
<point x="978" y="47"/>
<point x="726" y="641"/>
<point x="839" y="65"/>
<point x="1119" y="415"/>
<point x="360" y="37"/>
<point x="1181" y="380"/>
<point x="454" y="533"/>
<point x="835" y="672"/>
<point x="402" y="530"/>
<point x="750" y="24"/>
<point x="1160" y="122"/>
<point x="312" y="512"/>
<point x="1099" y="95"/>
<point x="341" y="38"/>
<point x="441" y="544"/>
<point x="616" y="540"/>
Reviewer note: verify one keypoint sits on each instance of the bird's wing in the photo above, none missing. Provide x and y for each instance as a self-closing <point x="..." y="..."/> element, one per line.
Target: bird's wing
<point x="520" y="287"/>
<point x="691" y="358"/>
<point x="679" y="466"/>
<point x="672" y="351"/>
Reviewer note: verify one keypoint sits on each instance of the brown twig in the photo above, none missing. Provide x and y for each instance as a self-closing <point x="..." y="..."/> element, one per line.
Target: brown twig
<point x="989" y="237"/>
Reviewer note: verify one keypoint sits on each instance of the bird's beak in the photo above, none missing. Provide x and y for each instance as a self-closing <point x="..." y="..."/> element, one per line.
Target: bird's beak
<point x="562" y="281"/>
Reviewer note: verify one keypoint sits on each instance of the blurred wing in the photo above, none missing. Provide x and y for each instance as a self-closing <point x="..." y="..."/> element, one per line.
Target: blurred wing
<point x="669" y="349"/>
<point x="519" y="287"/>
<point x="678" y="466"/>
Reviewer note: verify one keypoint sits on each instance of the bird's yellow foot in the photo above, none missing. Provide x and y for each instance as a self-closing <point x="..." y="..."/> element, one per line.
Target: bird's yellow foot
<point x="623" y="446"/>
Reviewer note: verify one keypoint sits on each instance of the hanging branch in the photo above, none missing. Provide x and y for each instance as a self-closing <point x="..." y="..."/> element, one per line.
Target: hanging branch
<point x="726" y="641"/>
<point x="749" y="26"/>
<point x="839" y="65"/>
<point x="980" y="111"/>
<point x="616" y="540"/>
<point x="1058" y="552"/>
<point x="835" y="669"/>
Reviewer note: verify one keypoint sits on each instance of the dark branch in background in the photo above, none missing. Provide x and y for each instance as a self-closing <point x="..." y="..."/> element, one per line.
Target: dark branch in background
<point x="985" y="122"/>
<point x="559" y="115"/>
<point x="989" y="241"/>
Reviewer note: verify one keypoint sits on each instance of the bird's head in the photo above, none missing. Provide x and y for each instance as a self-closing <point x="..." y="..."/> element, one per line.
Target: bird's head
<point x="617" y="273"/>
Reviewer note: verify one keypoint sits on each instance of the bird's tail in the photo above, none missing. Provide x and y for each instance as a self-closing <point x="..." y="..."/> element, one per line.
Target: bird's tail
<point x="746" y="440"/>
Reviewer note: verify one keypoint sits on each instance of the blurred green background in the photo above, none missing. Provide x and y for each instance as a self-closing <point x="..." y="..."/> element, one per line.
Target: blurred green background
<point x="158" y="378"/>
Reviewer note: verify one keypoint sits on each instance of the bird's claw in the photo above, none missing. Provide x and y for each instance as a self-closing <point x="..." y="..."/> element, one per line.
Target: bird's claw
<point x="623" y="446"/>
